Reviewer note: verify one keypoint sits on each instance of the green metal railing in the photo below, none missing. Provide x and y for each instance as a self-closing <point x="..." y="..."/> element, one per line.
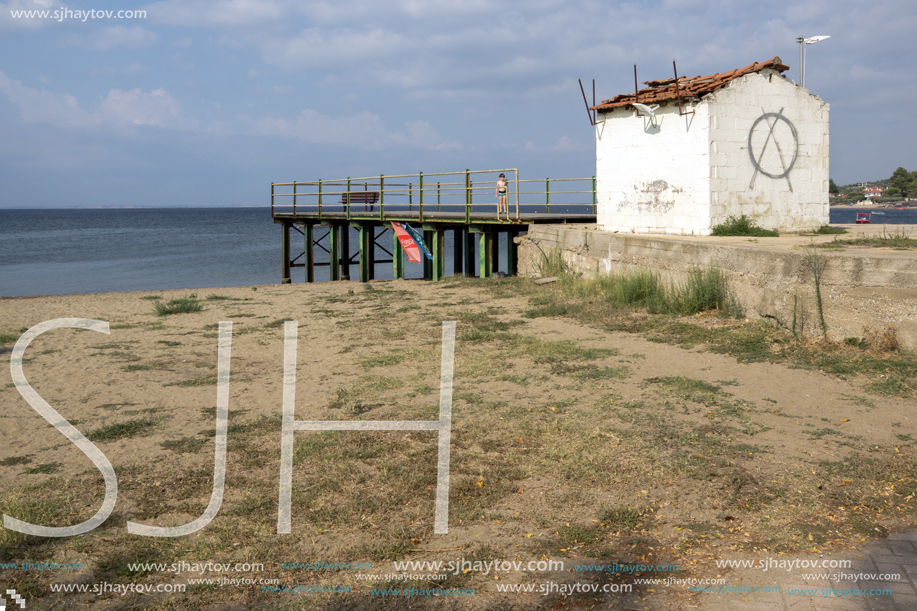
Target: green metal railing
<point x="380" y="197"/>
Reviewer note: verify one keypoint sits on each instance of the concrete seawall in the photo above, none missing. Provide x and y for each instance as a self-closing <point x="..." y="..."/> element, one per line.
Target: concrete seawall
<point x="864" y="289"/>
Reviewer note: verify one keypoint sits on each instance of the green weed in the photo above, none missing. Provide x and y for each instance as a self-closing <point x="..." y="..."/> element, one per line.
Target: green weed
<point x="207" y="380"/>
<point x="277" y="323"/>
<point x="551" y="263"/>
<point x="16" y="460"/>
<point x="131" y="428"/>
<point x="45" y="468"/>
<point x="185" y="445"/>
<point x="742" y="226"/>
<point x="829" y="230"/>
<point x="622" y="518"/>
<point x="182" y="305"/>
<point x="893" y="386"/>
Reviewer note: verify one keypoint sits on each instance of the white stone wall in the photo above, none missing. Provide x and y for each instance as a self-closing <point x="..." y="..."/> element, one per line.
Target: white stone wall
<point x="653" y="180"/>
<point x="692" y="172"/>
<point x="752" y="124"/>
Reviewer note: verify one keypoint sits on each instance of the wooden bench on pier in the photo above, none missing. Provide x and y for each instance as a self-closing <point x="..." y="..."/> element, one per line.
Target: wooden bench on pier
<point x="367" y="198"/>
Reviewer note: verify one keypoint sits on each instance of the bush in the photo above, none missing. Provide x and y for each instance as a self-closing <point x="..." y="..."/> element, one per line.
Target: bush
<point x="703" y="290"/>
<point x="742" y="226"/>
<point x="551" y="264"/>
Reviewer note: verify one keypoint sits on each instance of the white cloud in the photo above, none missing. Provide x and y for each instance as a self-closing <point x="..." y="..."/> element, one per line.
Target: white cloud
<point x="135" y="37"/>
<point x="364" y="131"/>
<point x="110" y="71"/>
<point x="36" y="106"/>
<point x="135" y="107"/>
<point x="328" y="50"/>
<point x="422" y="135"/>
<point x="216" y="14"/>
<point x="118" y="109"/>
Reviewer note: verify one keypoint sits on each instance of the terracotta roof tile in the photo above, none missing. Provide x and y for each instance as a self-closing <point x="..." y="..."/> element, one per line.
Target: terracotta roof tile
<point x="691" y="89"/>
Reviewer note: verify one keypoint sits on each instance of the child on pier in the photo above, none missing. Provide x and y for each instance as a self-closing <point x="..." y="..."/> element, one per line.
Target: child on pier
<point x="501" y="196"/>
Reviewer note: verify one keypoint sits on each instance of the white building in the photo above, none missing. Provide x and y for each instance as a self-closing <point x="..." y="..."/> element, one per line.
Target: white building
<point x="747" y="142"/>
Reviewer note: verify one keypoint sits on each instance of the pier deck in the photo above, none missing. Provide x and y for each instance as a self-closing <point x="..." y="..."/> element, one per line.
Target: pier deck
<point x="324" y="212"/>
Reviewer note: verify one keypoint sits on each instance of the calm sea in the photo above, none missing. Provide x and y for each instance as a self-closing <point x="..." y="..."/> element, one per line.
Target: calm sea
<point x="59" y="252"/>
<point x="55" y="252"/>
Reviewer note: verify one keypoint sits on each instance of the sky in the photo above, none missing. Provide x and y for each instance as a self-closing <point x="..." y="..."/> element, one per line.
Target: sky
<point x="197" y="103"/>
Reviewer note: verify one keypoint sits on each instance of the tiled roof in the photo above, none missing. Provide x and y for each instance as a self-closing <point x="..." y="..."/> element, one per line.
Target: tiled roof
<point x="691" y="89"/>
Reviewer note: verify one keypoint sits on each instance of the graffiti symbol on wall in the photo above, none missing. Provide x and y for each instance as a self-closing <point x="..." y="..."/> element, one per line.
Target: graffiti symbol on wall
<point x="781" y="133"/>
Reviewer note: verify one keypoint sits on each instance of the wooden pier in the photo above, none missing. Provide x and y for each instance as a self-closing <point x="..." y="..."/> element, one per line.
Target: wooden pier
<point x="324" y="211"/>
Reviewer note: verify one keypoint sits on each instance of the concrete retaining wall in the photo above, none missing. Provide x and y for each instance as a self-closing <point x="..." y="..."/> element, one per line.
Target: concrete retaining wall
<point x="867" y="289"/>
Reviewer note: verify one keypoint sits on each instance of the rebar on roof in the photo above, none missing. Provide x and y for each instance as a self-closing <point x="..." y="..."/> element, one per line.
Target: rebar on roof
<point x="688" y="88"/>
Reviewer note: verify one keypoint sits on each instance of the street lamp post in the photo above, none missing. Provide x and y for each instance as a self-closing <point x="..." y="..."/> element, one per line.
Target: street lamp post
<point x="802" y="54"/>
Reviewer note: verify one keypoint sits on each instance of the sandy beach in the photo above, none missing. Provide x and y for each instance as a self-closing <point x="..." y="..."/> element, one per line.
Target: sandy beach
<point x="569" y="443"/>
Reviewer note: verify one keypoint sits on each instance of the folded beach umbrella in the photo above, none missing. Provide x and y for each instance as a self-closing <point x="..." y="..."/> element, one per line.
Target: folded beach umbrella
<point x="407" y="242"/>
<point x="418" y="239"/>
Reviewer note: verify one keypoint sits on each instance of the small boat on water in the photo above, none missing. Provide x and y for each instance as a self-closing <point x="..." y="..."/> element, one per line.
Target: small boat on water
<point x="878" y="212"/>
<point x="862" y="218"/>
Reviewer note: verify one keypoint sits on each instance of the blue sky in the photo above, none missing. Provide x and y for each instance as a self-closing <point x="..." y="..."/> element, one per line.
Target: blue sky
<point x="205" y="103"/>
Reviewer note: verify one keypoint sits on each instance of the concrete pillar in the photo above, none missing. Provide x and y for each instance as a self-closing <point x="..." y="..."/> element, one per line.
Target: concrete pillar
<point x="309" y="255"/>
<point x="458" y="240"/>
<point x="285" y="253"/>
<point x="334" y="250"/>
<point x="345" y="250"/>
<point x="397" y="257"/>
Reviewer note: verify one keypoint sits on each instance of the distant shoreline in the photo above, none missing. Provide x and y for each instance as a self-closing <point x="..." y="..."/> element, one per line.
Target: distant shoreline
<point x="849" y="206"/>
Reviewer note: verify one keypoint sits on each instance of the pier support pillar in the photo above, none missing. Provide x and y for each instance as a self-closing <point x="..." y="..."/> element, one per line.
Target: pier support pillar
<point x="495" y="253"/>
<point x="512" y="253"/>
<point x="427" y="263"/>
<point x="367" y="252"/>
<point x="285" y="248"/>
<point x="458" y="240"/>
<point x="397" y="258"/>
<point x="309" y="252"/>
<point x="345" y="252"/>
<point x="435" y="237"/>
<point x="334" y="253"/>
<point x="439" y="260"/>
<point x="485" y="254"/>
<point x="469" y="252"/>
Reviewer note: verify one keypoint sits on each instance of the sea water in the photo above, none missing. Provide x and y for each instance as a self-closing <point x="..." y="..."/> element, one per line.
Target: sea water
<point x="58" y="252"/>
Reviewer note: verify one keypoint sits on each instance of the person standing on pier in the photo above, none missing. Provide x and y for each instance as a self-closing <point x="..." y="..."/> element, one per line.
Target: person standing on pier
<point x="501" y="196"/>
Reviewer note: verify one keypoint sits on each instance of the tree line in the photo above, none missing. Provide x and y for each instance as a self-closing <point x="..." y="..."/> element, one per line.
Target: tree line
<point x="901" y="184"/>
